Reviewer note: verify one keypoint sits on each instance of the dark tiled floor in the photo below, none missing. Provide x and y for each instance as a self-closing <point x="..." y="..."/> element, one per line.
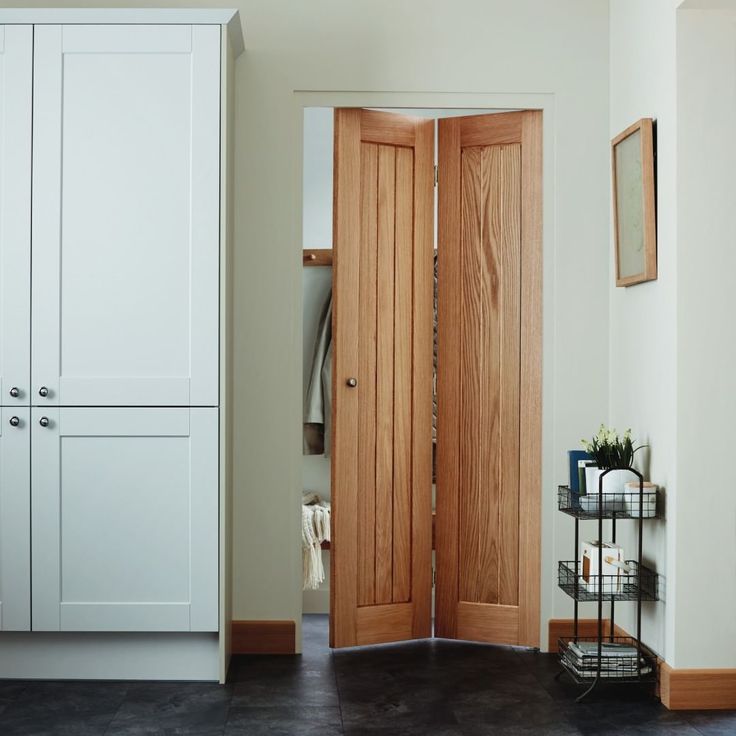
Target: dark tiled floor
<point x="437" y="687"/>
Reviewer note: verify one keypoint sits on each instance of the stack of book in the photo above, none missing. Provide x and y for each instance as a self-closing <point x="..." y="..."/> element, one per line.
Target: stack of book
<point x="617" y="660"/>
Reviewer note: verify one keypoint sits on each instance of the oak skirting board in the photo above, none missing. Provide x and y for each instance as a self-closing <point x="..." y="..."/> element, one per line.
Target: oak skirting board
<point x="697" y="689"/>
<point x="264" y="637"/>
<point x="678" y="689"/>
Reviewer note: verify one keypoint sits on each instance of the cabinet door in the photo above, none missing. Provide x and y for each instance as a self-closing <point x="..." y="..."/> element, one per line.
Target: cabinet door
<point x="124" y="519"/>
<point x="126" y="215"/>
<point x="15" y="521"/>
<point x="16" y="66"/>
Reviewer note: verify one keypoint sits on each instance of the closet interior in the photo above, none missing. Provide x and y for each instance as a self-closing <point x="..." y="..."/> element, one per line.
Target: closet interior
<point x="422" y="373"/>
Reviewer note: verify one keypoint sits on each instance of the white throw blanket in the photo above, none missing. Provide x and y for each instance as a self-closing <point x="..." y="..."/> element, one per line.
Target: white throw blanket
<point x="315" y="530"/>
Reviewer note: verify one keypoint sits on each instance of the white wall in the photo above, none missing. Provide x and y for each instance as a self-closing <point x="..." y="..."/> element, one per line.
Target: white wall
<point x="643" y="338"/>
<point x="706" y="520"/>
<point x="555" y="50"/>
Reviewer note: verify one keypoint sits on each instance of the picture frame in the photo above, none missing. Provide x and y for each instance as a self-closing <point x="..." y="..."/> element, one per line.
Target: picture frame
<point x="634" y="204"/>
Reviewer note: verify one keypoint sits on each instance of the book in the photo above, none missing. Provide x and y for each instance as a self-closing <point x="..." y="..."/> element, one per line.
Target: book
<point x="573" y="457"/>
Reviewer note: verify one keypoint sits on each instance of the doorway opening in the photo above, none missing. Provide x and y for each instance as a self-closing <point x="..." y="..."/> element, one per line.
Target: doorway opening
<point x="419" y="370"/>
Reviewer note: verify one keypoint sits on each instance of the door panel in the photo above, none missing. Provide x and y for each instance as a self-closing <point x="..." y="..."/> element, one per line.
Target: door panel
<point x="382" y="450"/>
<point x="489" y="385"/>
<point x="16" y="68"/>
<point x="126" y="215"/>
<point x="125" y="515"/>
<point x="15" y="519"/>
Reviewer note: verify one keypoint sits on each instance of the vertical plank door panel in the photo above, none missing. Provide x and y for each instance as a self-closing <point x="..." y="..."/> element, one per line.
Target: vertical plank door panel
<point x="367" y="376"/>
<point x="489" y="397"/>
<point x="381" y="462"/>
<point x="386" y="214"/>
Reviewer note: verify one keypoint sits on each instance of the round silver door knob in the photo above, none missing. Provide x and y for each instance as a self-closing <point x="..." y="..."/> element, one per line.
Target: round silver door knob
<point x="15" y="392"/>
<point x="14" y="421"/>
<point x="44" y="421"/>
<point x="352" y="382"/>
<point x="43" y="391"/>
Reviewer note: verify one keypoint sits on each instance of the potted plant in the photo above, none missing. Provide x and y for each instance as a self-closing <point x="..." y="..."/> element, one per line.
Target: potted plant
<point x="612" y="453"/>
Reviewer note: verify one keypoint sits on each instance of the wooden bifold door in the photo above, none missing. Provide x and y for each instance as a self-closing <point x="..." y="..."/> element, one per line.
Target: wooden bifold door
<point x="488" y="385"/>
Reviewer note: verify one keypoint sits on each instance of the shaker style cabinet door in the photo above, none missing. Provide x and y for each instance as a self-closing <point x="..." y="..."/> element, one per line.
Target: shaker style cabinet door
<point x="15" y="522"/>
<point x="126" y="215"/>
<point x="124" y="519"/>
<point x="16" y="68"/>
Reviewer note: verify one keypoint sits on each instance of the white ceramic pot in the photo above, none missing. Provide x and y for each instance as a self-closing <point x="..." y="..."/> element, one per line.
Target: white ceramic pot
<point x="613" y="487"/>
<point x="615" y="481"/>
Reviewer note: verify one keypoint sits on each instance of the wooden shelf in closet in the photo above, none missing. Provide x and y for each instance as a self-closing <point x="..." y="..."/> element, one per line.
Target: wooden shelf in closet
<point x="326" y="545"/>
<point x="317" y="257"/>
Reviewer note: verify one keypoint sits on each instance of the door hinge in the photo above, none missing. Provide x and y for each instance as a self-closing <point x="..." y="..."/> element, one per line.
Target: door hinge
<point x="434" y="577"/>
<point x="436" y="174"/>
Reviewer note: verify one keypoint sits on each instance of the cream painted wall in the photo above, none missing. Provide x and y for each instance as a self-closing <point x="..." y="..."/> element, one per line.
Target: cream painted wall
<point x="643" y="337"/>
<point x="706" y="518"/>
<point x="436" y="54"/>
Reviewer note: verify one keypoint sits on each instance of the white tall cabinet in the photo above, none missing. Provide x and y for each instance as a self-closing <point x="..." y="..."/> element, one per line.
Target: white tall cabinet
<point x="113" y="371"/>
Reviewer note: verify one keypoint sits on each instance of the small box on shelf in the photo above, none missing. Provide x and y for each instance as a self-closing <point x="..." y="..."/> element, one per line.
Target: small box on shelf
<point x="613" y="567"/>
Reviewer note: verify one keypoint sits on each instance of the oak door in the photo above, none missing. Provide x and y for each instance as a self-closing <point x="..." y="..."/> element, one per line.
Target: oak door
<point x="382" y="374"/>
<point x="124" y="519"/>
<point x="126" y="156"/>
<point x="15" y="519"/>
<point x="489" y="378"/>
<point x="16" y="73"/>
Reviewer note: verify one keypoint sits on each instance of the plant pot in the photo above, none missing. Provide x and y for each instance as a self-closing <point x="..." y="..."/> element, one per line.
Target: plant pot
<point x="648" y="500"/>
<point x="613" y="496"/>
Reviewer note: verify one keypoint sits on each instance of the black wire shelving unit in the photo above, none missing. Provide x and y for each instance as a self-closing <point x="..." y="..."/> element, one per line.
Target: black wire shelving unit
<point x="589" y="661"/>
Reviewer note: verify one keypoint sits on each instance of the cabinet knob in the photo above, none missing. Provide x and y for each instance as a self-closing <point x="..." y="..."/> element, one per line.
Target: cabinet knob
<point x="352" y="382"/>
<point x="44" y="421"/>
<point x="15" y="392"/>
<point x="14" y="421"/>
<point x="43" y="391"/>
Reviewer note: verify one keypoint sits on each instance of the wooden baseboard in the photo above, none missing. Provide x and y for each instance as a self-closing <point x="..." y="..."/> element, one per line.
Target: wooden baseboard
<point x="264" y="637"/>
<point x="697" y="689"/>
<point x="678" y="689"/>
<point x="564" y="628"/>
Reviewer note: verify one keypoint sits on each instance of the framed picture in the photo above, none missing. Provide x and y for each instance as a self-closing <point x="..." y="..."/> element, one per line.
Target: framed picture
<point x="634" y="213"/>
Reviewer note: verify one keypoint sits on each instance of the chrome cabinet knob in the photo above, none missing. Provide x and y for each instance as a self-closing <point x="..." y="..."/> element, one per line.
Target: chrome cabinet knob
<point x="15" y="392"/>
<point x="43" y="391"/>
<point x="352" y="382"/>
<point x="14" y="421"/>
<point x="44" y="421"/>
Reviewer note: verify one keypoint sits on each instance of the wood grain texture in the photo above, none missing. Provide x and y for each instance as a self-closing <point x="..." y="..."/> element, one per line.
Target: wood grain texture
<point x="385" y="374"/>
<point x="378" y="624"/>
<point x="422" y="525"/>
<point x="391" y="243"/>
<point x="506" y="173"/>
<point x="317" y="257"/>
<point x="448" y="379"/>
<point x="367" y="376"/>
<point x="489" y="378"/>
<point x="697" y="689"/>
<point x="471" y="368"/>
<point x="487" y="622"/>
<point x="488" y="358"/>
<point x="530" y="414"/>
<point x="345" y="315"/>
<point x="564" y="628"/>
<point x="263" y="637"/>
<point x="402" y="389"/>
<point x="476" y="131"/>
<point x="387" y="128"/>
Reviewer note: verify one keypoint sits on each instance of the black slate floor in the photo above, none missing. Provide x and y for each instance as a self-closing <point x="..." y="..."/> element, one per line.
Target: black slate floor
<point x="436" y="687"/>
